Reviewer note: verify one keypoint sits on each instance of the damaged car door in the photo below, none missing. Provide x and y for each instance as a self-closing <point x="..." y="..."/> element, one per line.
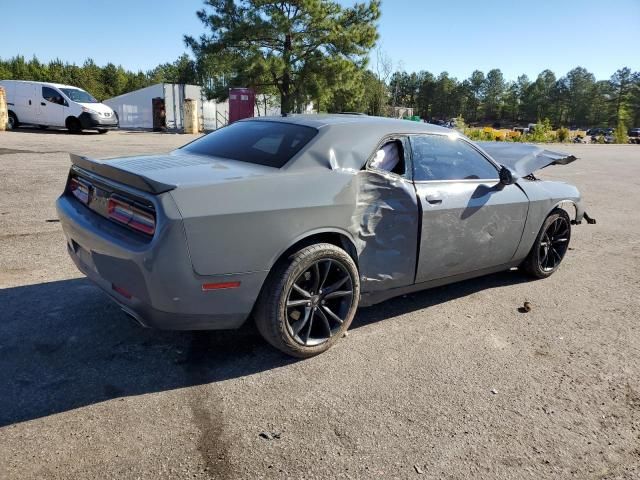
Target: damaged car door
<point x="470" y="221"/>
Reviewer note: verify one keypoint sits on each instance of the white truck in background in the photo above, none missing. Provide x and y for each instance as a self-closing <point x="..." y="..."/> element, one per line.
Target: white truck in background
<point x="54" y="105"/>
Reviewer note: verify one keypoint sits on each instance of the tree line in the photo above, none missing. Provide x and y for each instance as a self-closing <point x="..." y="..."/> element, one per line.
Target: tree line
<point x="575" y="99"/>
<point x="101" y="82"/>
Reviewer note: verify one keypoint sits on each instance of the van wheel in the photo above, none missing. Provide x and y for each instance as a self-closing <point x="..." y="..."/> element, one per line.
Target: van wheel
<point x="73" y="125"/>
<point x="309" y="300"/>
<point x="13" y="121"/>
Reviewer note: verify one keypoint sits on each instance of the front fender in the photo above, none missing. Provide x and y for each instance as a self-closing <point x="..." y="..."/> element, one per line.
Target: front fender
<point x="544" y="197"/>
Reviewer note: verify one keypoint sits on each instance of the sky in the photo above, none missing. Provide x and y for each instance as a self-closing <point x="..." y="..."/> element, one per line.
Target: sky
<point x="455" y="36"/>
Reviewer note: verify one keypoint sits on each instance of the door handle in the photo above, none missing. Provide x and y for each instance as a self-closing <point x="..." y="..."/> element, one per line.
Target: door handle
<point x="43" y="104"/>
<point x="433" y="199"/>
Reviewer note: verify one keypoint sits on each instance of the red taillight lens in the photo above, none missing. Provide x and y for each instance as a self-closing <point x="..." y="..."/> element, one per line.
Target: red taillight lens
<point x="125" y="213"/>
<point x="79" y="189"/>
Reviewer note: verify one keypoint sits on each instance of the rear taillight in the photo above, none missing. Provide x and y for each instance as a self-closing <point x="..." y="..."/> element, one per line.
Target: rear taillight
<point x="79" y="189"/>
<point x="125" y="213"/>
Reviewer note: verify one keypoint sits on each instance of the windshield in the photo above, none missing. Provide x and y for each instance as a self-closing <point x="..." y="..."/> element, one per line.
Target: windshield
<point x="77" y="95"/>
<point x="264" y="143"/>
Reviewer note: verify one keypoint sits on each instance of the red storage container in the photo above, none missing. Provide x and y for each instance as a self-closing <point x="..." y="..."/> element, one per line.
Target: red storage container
<point x="241" y="103"/>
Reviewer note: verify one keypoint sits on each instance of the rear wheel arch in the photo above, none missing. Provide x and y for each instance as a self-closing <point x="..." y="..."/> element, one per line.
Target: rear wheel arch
<point x="335" y="237"/>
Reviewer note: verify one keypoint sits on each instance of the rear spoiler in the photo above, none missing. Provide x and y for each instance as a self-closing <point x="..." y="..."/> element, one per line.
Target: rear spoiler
<point x="134" y="180"/>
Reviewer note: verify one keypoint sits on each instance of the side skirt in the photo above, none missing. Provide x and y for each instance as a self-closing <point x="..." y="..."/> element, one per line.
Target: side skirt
<point x="372" y="298"/>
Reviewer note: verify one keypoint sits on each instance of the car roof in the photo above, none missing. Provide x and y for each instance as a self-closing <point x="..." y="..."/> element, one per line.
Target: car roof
<point x="346" y="141"/>
<point x="49" y="84"/>
<point x="392" y="125"/>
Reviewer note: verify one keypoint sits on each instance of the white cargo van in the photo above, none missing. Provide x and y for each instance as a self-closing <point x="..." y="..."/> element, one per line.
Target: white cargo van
<point x="55" y="105"/>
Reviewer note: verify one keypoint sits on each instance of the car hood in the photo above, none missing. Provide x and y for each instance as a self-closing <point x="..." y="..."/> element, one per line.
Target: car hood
<point x="97" y="107"/>
<point x="524" y="159"/>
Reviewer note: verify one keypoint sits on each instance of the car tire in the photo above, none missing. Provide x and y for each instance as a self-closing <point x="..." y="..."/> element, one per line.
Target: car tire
<point x="73" y="125"/>
<point x="311" y="284"/>
<point x="13" y="122"/>
<point x="102" y="131"/>
<point x="550" y="246"/>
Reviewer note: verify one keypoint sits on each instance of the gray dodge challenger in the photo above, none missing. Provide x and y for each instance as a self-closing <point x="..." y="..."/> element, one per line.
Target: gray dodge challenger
<point x="298" y="220"/>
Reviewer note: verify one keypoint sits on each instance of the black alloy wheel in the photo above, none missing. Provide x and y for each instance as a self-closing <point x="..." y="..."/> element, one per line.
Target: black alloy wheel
<point x="308" y="300"/>
<point x="554" y="244"/>
<point x="550" y="246"/>
<point x="319" y="302"/>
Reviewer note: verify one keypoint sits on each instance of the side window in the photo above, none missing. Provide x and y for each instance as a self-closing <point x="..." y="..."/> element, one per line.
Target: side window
<point x="50" y="95"/>
<point x="439" y="157"/>
<point x="390" y="158"/>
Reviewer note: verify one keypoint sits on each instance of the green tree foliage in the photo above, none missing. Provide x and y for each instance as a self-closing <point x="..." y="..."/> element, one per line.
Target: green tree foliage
<point x="621" y="88"/>
<point x="493" y="94"/>
<point x="476" y="86"/>
<point x="183" y="70"/>
<point x="574" y="99"/>
<point x="620" y="133"/>
<point x="578" y="90"/>
<point x="563" y="134"/>
<point x="102" y="82"/>
<point x="337" y="83"/>
<point x="284" y="44"/>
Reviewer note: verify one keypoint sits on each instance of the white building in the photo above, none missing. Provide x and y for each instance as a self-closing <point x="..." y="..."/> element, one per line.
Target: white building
<point x="135" y="109"/>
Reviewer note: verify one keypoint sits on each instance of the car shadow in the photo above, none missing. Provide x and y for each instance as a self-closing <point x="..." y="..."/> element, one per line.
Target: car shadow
<point x="435" y="296"/>
<point x="65" y="345"/>
<point x="51" y="131"/>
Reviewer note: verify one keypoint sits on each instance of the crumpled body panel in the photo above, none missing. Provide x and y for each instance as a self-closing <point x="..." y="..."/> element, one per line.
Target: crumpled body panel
<point x="524" y="159"/>
<point x="385" y="227"/>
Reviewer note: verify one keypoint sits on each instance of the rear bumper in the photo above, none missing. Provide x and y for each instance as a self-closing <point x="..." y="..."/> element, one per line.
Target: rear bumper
<point x="91" y="120"/>
<point x="154" y="282"/>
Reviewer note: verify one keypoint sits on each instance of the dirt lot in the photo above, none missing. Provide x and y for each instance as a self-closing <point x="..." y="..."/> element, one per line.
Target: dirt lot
<point x="452" y="382"/>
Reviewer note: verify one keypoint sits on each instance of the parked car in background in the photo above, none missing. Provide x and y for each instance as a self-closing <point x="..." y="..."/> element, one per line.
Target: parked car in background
<point x="55" y="105"/>
<point x="634" y="135"/>
<point x="601" y="135"/>
<point x="298" y="220"/>
<point x="599" y="131"/>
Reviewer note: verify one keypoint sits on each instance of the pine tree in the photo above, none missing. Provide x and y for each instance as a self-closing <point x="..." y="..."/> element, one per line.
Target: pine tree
<point x="282" y="43"/>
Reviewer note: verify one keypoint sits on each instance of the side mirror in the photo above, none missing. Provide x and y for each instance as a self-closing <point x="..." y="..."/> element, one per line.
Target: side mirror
<point x="506" y="177"/>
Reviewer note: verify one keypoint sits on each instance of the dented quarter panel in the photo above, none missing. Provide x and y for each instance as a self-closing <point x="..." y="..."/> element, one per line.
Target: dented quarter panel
<point x="385" y="225"/>
<point x="233" y="233"/>
<point x="242" y="226"/>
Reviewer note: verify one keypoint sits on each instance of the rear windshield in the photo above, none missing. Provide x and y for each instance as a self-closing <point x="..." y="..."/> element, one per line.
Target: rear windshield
<point x="264" y="143"/>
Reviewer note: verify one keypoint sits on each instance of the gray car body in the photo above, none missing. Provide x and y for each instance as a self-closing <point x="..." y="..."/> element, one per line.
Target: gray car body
<point x="220" y="220"/>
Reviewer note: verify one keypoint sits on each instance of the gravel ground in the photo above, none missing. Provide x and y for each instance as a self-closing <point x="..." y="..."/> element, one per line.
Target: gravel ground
<point x="449" y="383"/>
